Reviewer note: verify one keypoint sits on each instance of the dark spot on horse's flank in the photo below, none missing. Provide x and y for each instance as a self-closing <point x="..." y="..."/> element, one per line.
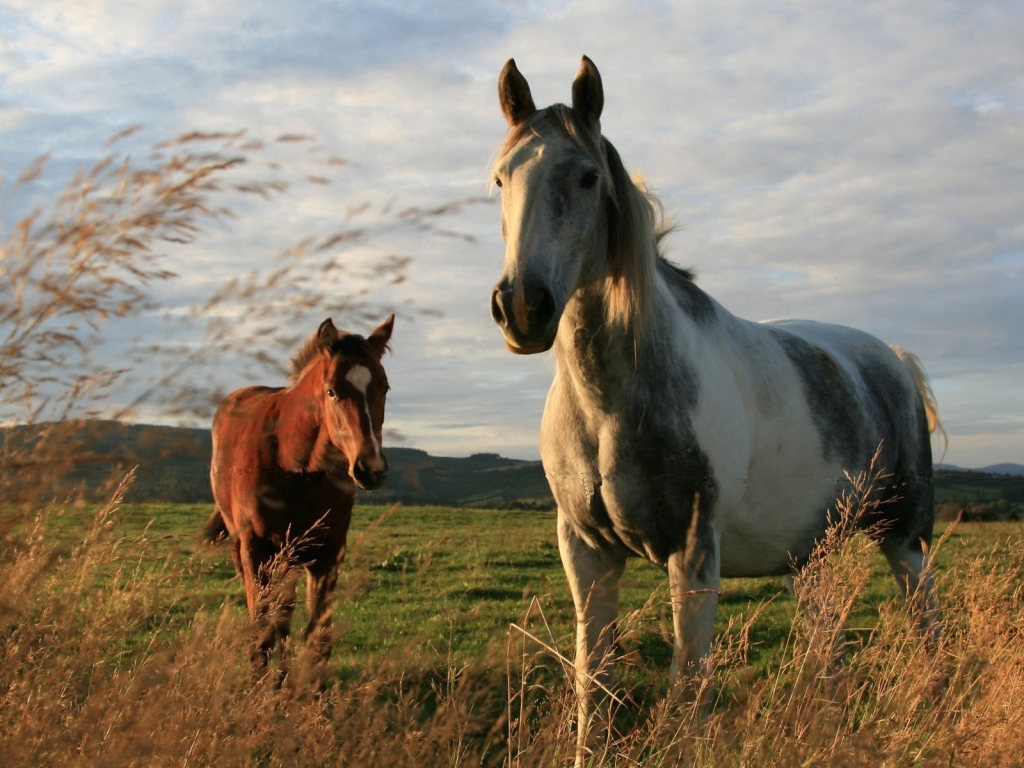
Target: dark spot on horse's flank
<point x="909" y="497"/>
<point x="828" y="364"/>
<point x="832" y="399"/>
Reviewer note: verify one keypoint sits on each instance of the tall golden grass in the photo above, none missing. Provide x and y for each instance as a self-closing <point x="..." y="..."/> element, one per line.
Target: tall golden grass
<point x="892" y="699"/>
<point x="97" y="667"/>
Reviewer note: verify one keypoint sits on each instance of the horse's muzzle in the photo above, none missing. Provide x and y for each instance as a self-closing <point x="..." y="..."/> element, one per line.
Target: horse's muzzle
<point x="527" y="318"/>
<point x="370" y="475"/>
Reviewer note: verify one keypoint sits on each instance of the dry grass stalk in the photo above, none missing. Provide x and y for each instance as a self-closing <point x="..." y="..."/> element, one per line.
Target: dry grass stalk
<point x="78" y="275"/>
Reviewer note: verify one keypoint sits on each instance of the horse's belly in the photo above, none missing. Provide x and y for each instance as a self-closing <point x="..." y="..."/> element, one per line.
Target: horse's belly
<point x="764" y="552"/>
<point x="770" y="532"/>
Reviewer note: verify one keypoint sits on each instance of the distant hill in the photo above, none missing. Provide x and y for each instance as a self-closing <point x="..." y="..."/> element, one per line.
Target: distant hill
<point x="174" y="466"/>
<point x="1003" y="469"/>
<point x="991" y="469"/>
<point x="483" y="479"/>
<point x="88" y="458"/>
<point x="979" y="494"/>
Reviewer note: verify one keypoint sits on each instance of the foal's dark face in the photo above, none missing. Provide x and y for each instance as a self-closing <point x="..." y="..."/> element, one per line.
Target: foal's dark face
<point x="354" y="395"/>
<point x="354" y="392"/>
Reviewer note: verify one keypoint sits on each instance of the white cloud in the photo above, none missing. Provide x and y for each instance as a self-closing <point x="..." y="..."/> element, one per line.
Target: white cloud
<point x="858" y="163"/>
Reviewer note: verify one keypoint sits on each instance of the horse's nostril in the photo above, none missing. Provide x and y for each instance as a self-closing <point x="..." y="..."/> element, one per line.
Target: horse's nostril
<point x="544" y="310"/>
<point x="497" y="311"/>
<point x="541" y="303"/>
<point x="369" y="475"/>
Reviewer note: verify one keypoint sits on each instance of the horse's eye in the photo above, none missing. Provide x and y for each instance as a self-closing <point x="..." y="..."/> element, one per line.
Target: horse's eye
<point x="497" y="181"/>
<point x="589" y="179"/>
<point x="331" y="394"/>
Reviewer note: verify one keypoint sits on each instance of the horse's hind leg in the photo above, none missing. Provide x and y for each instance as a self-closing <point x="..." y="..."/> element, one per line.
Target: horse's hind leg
<point x="911" y="565"/>
<point x="236" y="556"/>
<point x="282" y="606"/>
<point x="828" y="632"/>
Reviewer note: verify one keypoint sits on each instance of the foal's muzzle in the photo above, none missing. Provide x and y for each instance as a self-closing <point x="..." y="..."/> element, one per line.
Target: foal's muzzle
<point x="370" y="474"/>
<point x="527" y="318"/>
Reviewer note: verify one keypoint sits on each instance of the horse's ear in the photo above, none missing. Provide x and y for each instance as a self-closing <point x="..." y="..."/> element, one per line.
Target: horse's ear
<point x="381" y="336"/>
<point x="327" y="335"/>
<point x="588" y="93"/>
<point x="514" y="95"/>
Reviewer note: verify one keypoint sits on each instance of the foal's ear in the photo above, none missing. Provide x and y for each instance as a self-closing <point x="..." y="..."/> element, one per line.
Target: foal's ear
<point x="381" y="336"/>
<point x="327" y="335"/>
<point x="514" y="95"/>
<point x="588" y="93"/>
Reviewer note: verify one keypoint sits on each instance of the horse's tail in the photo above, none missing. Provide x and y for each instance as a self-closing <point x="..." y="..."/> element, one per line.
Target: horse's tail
<point x="214" y="530"/>
<point x="924" y="387"/>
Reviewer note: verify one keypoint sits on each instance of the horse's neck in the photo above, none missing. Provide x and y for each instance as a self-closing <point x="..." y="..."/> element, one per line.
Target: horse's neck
<point x="609" y="367"/>
<point x="599" y="359"/>
<point x="300" y="426"/>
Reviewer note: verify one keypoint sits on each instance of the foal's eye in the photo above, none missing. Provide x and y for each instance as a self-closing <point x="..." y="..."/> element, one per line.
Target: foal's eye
<point x="589" y="179"/>
<point x="497" y="182"/>
<point x="331" y="394"/>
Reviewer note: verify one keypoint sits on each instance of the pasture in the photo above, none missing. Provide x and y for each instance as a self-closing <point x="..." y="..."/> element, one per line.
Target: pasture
<point x="123" y="642"/>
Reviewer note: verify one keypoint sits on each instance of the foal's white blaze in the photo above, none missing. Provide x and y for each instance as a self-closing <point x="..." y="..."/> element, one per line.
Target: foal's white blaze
<point x="359" y="376"/>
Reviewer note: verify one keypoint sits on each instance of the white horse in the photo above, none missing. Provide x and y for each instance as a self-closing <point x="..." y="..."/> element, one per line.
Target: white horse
<point x="667" y="411"/>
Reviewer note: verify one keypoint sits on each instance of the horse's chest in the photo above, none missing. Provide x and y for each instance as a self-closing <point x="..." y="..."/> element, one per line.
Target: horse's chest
<point x="626" y="481"/>
<point x="294" y="504"/>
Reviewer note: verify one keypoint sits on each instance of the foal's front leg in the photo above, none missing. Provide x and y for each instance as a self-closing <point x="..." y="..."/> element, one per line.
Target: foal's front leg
<point x="269" y="596"/>
<point x="321" y="580"/>
<point x="593" y="576"/>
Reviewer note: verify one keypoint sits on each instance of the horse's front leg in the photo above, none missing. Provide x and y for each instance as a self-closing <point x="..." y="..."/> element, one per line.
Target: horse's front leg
<point x="321" y="580"/>
<point x="282" y="606"/>
<point x="256" y="560"/>
<point x="593" y="576"/>
<point x="694" y="576"/>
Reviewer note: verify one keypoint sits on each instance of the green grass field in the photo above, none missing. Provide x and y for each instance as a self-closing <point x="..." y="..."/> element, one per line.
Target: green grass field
<point x="446" y="620"/>
<point x="439" y="583"/>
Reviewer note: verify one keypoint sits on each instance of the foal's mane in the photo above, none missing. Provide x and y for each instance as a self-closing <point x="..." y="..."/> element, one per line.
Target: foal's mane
<point x="636" y="225"/>
<point x="347" y="344"/>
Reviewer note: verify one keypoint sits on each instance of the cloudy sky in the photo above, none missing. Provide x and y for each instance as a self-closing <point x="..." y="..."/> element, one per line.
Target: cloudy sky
<point x="858" y="163"/>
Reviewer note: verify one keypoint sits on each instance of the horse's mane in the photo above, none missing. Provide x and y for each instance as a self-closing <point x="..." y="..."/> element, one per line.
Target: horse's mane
<point x="347" y="344"/>
<point x="636" y="225"/>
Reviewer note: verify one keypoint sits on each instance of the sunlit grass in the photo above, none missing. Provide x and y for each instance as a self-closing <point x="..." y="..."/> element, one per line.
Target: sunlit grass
<point x="123" y="642"/>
